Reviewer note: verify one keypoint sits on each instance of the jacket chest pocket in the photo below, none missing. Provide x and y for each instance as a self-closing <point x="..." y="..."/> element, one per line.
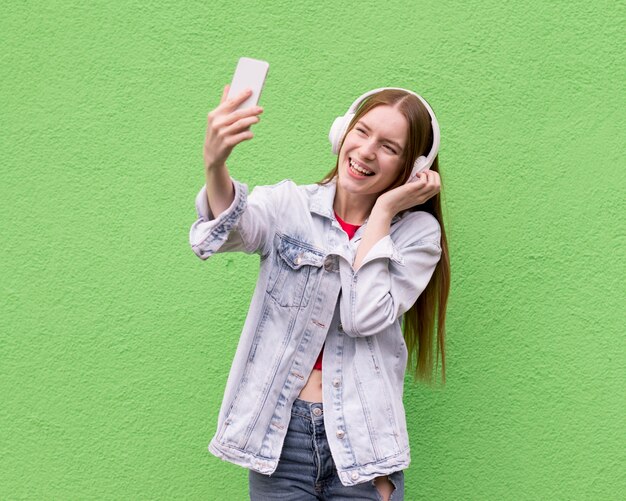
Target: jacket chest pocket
<point x="295" y="268"/>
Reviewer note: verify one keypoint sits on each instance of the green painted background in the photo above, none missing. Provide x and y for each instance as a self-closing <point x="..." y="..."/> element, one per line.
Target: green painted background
<point x="116" y="340"/>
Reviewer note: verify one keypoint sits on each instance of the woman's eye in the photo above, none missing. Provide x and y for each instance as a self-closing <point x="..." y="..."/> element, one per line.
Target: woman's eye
<point x="360" y="130"/>
<point x="390" y="149"/>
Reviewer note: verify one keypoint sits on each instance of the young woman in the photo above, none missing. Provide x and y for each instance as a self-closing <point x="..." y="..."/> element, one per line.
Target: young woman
<point x="353" y="270"/>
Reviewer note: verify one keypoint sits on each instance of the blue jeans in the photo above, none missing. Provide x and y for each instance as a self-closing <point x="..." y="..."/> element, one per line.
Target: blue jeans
<point x="306" y="470"/>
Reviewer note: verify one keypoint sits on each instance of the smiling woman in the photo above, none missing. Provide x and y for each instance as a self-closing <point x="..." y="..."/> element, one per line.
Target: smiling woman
<point x="353" y="269"/>
<point x="368" y="163"/>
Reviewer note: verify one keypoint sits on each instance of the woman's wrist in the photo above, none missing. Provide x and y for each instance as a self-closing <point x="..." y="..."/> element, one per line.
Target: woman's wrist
<point x="378" y="226"/>
<point x="219" y="189"/>
<point x="382" y="212"/>
<point x="210" y="167"/>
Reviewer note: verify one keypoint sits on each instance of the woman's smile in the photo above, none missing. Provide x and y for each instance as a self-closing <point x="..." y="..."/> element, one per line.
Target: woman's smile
<point x="358" y="170"/>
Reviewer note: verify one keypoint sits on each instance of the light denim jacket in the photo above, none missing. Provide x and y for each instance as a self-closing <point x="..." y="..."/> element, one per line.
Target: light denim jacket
<point x="307" y="294"/>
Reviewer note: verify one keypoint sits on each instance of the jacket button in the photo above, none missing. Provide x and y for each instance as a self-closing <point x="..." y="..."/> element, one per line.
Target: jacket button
<point x="298" y="259"/>
<point x="340" y="433"/>
<point x="354" y="475"/>
<point x="336" y="383"/>
<point x="340" y="328"/>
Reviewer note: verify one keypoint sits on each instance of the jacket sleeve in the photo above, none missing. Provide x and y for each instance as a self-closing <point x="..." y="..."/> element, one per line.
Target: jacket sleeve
<point x="392" y="276"/>
<point x="247" y="225"/>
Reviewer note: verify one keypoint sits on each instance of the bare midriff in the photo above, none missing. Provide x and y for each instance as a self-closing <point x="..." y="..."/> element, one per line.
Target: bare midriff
<point x="312" y="391"/>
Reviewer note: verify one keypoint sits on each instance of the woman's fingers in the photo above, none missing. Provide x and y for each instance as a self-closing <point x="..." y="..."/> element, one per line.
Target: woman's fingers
<point x="233" y="117"/>
<point x="429" y="179"/>
<point x="425" y="186"/>
<point x="434" y="181"/>
<point x="421" y="180"/>
<point x="228" y="105"/>
<point x="227" y="126"/>
<point x="240" y="125"/>
<point x="431" y="184"/>
<point x="222" y="117"/>
<point x="235" y="140"/>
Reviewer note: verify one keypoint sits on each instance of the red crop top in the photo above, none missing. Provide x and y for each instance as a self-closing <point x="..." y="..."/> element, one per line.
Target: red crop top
<point x="350" y="229"/>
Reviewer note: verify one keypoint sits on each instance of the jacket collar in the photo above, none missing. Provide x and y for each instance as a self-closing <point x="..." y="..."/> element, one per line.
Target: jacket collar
<point x="322" y="199"/>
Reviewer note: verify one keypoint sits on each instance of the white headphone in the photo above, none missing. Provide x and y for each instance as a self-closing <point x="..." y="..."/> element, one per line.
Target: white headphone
<point x="340" y="126"/>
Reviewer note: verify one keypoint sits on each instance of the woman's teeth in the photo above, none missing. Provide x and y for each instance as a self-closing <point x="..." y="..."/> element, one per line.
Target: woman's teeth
<point x="360" y="170"/>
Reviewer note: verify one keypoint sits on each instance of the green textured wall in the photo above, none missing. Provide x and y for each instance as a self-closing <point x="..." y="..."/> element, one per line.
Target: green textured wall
<point x="116" y="340"/>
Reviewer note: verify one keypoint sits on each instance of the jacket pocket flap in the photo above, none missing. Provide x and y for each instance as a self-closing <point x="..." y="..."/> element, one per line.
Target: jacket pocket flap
<point x="296" y="255"/>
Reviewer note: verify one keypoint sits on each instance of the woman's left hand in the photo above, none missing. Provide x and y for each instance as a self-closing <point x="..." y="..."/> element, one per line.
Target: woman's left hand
<point x="426" y="185"/>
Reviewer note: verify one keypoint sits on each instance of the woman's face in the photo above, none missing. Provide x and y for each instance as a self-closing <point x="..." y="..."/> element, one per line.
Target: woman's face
<point x="376" y="145"/>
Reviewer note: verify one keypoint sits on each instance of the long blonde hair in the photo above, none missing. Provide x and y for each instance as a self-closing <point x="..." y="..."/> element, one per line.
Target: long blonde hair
<point x="419" y="321"/>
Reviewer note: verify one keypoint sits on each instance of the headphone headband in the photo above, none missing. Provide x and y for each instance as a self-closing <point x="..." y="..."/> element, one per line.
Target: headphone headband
<point x="340" y="126"/>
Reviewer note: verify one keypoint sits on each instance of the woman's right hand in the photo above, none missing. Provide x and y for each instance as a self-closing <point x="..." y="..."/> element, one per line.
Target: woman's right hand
<point x="227" y="127"/>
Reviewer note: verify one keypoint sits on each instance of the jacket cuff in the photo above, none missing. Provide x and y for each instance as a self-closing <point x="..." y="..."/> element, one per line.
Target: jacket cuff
<point x="209" y="233"/>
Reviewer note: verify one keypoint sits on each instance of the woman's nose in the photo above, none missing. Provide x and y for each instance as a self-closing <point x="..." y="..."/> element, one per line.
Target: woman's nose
<point x="368" y="149"/>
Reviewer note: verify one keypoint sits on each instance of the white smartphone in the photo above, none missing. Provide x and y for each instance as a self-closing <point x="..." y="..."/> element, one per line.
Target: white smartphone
<point x="250" y="73"/>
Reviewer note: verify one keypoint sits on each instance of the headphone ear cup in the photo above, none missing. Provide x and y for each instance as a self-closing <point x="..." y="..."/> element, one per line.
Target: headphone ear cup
<point x="338" y="130"/>
<point x="418" y="166"/>
<point x="334" y="133"/>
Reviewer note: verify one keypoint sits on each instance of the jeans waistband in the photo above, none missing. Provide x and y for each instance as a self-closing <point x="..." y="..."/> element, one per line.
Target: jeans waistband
<point x="310" y="410"/>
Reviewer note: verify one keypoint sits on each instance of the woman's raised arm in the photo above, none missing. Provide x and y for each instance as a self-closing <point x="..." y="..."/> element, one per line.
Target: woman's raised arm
<point x="226" y="128"/>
